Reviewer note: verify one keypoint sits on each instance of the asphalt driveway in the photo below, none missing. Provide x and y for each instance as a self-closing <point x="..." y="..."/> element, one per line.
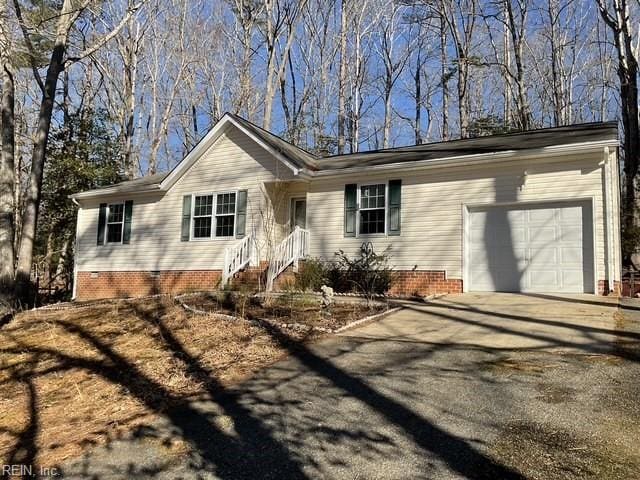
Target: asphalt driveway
<point x="466" y="386"/>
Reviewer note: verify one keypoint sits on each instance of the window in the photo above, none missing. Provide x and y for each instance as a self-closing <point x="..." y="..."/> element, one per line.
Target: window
<point x="372" y="209"/>
<point x="220" y="208"/>
<point x="115" y="222"/>
<point x="225" y="214"/>
<point x="202" y="213"/>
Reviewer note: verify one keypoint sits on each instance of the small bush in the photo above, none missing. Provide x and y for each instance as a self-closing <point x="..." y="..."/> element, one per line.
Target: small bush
<point x="312" y="275"/>
<point x="369" y="273"/>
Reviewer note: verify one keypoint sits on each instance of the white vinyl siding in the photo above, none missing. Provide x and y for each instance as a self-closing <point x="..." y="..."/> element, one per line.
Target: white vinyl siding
<point x="432" y="207"/>
<point x="232" y="163"/>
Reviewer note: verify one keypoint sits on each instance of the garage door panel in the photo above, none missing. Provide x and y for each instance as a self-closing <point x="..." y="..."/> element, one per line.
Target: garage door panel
<point x="545" y="234"/>
<point x="539" y="248"/>
<point x="542" y="278"/>
<point x="570" y="233"/>
<point x="571" y="256"/>
<point x="541" y="216"/>
<point x="543" y="256"/>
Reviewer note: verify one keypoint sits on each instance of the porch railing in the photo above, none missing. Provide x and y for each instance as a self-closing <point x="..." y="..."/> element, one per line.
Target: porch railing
<point x="238" y="257"/>
<point x="289" y="251"/>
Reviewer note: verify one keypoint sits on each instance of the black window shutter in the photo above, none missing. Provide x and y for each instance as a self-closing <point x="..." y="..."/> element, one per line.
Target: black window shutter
<point x="241" y="213"/>
<point x="128" y="211"/>
<point x="102" y="222"/>
<point x="395" y="200"/>
<point x="350" y="209"/>
<point x="186" y="218"/>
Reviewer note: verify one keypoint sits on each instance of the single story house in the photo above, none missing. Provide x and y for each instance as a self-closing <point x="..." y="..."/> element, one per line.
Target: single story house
<point x="524" y="212"/>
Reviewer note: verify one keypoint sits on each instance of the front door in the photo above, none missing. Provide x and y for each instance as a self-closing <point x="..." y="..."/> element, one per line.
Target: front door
<point x="298" y="213"/>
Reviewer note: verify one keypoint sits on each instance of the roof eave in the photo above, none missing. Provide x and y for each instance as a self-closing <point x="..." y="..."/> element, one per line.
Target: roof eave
<point x="109" y="192"/>
<point x="462" y="160"/>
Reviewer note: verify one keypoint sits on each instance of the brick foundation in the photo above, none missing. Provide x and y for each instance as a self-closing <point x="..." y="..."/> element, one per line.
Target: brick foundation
<point x="424" y="282"/>
<point x="97" y="285"/>
<point x="93" y="286"/>
<point x="603" y="288"/>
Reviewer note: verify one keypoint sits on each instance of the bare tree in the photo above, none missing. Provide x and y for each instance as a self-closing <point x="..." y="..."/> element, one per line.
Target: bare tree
<point x="461" y="17"/>
<point x="342" y="77"/>
<point x="59" y="59"/>
<point x="281" y="16"/>
<point x="7" y="254"/>
<point x="394" y="49"/>
<point x="616" y="15"/>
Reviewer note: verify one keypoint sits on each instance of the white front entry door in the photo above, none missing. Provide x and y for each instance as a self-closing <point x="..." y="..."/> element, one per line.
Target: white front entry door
<point x="532" y="248"/>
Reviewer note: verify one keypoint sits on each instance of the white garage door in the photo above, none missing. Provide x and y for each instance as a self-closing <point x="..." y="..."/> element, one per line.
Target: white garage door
<point x="539" y="248"/>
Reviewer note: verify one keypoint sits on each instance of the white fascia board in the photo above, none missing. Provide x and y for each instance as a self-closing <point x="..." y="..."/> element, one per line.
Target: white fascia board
<point x="108" y="192"/>
<point x="475" y="159"/>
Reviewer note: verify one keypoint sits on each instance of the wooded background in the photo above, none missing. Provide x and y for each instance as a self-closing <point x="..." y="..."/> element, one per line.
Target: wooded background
<point x="97" y="91"/>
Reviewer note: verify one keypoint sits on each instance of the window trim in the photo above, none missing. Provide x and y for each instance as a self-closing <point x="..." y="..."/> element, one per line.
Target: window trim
<point x="192" y="238"/>
<point x="292" y="201"/>
<point x="359" y="209"/>
<point x="107" y="223"/>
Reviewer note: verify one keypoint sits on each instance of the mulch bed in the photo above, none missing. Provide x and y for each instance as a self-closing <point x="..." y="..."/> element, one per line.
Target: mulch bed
<point x="75" y="377"/>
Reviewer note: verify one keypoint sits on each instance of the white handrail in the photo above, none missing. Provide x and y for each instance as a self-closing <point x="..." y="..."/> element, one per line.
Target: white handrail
<point x="289" y="251"/>
<point x="239" y="256"/>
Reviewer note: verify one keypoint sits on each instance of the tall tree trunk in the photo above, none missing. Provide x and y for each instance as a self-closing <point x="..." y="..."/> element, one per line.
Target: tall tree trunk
<point x="619" y="23"/>
<point x="444" y="75"/>
<point x="418" y="101"/>
<point x="7" y="253"/>
<point x="342" y="77"/>
<point x="33" y="192"/>
<point x="386" y="134"/>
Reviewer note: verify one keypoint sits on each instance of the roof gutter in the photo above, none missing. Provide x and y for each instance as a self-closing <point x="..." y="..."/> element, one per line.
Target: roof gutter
<point x="113" y="191"/>
<point x="475" y="159"/>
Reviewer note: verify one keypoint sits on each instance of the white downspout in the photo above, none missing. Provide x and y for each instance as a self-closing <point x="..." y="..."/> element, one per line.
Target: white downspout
<point x="608" y="209"/>
<point x="616" y="217"/>
<point x="75" y="254"/>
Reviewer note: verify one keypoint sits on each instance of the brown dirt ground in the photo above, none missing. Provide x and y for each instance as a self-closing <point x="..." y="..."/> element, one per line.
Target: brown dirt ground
<point x="65" y="375"/>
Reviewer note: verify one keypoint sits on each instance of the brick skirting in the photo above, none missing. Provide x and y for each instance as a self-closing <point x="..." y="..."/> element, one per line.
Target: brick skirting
<point x="603" y="288"/>
<point x="424" y="282"/>
<point x="97" y="285"/>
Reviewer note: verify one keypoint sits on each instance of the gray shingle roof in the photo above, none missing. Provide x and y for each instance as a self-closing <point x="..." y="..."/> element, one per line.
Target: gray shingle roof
<point x="531" y="139"/>
<point x="302" y="159"/>
<point x="131" y="186"/>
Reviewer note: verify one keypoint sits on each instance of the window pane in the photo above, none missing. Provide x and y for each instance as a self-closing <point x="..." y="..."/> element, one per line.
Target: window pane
<point x="203" y="206"/>
<point x="114" y="232"/>
<point x="224" y="226"/>
<point x="372" y="221"/>
<point x="226" y="204"/>
<point x="372" y="196"/>
<point x="116" y="213"/>
<point x="202" y="227"/>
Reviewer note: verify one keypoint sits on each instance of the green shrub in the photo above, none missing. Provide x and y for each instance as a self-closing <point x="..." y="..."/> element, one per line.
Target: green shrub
<point x="311" y="276"/>
<point x="369" y="273"/>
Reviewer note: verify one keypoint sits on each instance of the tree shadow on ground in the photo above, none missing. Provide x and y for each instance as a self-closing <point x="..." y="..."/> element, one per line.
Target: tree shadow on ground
<point x="252" y="449"/>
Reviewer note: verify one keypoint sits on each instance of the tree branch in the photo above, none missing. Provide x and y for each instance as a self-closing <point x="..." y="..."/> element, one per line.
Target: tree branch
<point x="104" y="40"/>
<point x="27" y="41"/>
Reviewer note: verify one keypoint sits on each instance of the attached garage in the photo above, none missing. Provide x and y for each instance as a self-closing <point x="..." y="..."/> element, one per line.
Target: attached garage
<point x="546" y="247"/>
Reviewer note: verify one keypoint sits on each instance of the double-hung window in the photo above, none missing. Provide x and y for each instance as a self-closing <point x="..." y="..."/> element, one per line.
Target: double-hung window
<point x="372" y="209"/>
<point x="202" y="213"/>
<point x="214" y="215"/>
<point x="115" y="222"/>
<point x="225" y="214"/>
